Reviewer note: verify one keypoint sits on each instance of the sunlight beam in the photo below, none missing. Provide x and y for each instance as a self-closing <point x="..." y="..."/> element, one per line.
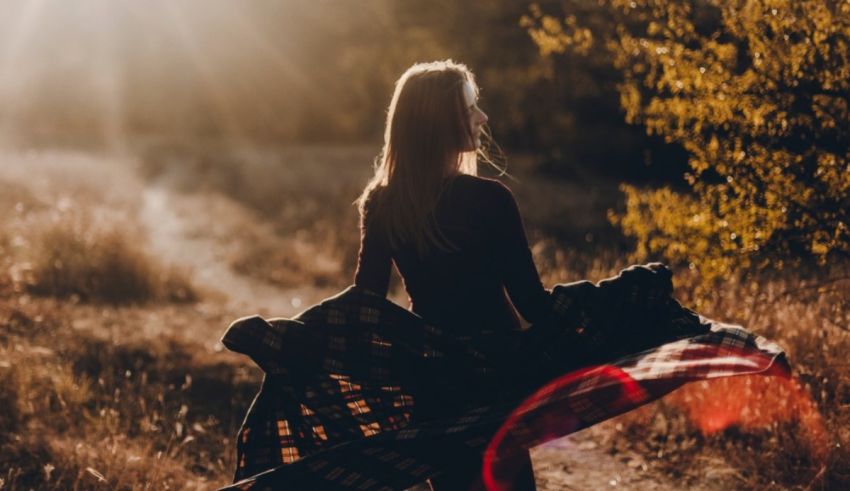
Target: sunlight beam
<point x="109" y="79"/>
<point x="211" y="87"/>
<point x="11" y="76"/>
<point x="263" y="46"/>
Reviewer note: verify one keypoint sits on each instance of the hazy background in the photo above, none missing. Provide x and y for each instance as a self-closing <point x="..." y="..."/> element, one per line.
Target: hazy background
<point x="104" y="73"/>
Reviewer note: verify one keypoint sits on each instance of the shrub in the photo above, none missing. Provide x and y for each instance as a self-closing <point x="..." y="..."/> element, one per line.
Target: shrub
<point x="756" y="92"/>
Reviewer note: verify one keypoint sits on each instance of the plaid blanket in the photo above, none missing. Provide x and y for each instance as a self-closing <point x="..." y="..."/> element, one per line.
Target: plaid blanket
<point x="337" y="407"/>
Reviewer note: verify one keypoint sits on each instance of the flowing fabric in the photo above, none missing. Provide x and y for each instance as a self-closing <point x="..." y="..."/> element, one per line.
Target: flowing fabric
<point x="337" y="407"/>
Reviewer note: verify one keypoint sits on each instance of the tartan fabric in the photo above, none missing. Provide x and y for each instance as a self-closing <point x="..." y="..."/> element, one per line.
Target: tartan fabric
<point x="337" y="407"/>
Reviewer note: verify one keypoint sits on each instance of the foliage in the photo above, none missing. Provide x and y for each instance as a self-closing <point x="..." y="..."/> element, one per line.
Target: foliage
<point x="757" y="92"/>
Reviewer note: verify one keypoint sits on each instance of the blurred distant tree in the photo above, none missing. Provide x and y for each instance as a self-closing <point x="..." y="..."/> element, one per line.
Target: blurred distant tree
<point x="757" y="92"/>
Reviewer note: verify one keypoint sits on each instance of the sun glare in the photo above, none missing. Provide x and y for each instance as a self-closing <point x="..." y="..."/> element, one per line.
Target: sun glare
<point x="105" y="68"/>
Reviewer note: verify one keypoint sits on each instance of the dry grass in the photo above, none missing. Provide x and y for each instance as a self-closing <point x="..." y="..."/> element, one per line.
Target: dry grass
<point x="110" y="409"/>
<point x="88" y="411"/>
<point x="74" y="256"/>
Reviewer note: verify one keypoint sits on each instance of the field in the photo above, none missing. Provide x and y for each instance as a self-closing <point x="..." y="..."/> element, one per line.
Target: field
<point x="119" y="273"/>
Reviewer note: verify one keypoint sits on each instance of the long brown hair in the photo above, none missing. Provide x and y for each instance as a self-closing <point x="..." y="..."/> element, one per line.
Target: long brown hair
<point x="427" y="139"/>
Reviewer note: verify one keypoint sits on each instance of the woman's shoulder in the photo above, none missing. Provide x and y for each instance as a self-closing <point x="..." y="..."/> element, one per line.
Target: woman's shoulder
<point x="486" y="187"/>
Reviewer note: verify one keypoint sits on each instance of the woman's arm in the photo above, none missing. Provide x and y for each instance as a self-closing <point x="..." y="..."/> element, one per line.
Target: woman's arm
<point x="374" y="259"/>
<point x="514" y="260"/>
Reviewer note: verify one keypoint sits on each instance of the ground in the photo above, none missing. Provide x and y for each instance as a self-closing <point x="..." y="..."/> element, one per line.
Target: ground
<point x="135" y="390"/>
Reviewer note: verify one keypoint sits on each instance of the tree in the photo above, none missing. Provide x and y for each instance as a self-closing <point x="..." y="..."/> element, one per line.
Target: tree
<point x="757" y="92"/>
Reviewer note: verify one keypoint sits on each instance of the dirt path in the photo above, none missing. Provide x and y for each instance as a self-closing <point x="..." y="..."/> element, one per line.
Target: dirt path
<point x="578" y="463"/>
<point x="182" y="231"/>
<point x="193" y="230"/>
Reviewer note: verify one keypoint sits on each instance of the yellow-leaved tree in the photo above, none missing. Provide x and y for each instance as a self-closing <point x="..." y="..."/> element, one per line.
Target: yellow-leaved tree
<point x="757" y="92"/>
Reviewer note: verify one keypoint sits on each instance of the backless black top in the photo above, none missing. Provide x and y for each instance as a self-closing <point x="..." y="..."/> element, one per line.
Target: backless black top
<point x="462" y="291"/>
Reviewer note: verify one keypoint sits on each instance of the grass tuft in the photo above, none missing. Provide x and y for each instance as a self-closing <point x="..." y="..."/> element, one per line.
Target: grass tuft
<point x="76" y="258"/>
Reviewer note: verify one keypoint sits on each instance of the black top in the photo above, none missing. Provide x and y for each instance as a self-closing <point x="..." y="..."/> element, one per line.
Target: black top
<point x="463" y="291"/>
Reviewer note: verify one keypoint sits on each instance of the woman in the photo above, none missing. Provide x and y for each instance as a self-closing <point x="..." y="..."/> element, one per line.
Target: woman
<point x="456" y="239"/>
<point x="334" y="410"/>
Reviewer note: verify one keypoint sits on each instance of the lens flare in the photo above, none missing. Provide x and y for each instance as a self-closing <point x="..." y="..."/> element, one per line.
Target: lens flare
<point x="727" y="393"/>
<point x="754" y="402"/>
